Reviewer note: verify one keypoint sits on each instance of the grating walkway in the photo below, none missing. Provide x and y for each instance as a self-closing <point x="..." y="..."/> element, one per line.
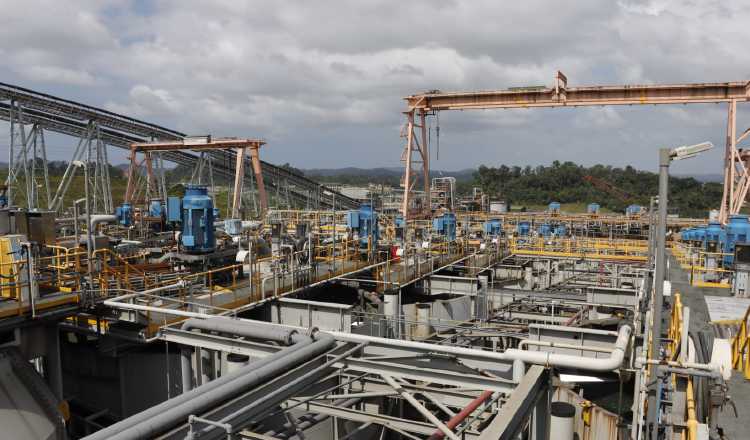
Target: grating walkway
<point x="735" y="428"/>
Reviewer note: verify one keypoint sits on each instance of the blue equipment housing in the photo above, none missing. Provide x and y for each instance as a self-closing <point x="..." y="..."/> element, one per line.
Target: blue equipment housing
<point x="155" y="208"/>
<point x="365" y="222"/>
<point x="493" y="227"/>
<point x="560" y="231"/>
<point x="593" y="208"/>
<point x="554" y="207"/>
<point x="737" y="231"/>
<point x="523" y="228"/>
<point x="174" y="209"/>
<point x="445" y="225"/>
<point x="545" y="229"/>
<point x="714" y="237"/>
<point x="198" y="220"/>
<point x="124" y="214"/>
<point x="632" y="210"/>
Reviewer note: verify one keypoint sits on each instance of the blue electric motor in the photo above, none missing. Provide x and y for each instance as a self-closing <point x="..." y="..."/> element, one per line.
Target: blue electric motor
<point x="633" y="210"/>
<point x="493" y="227"/>
<point x="365" y="221"/>
<point x="523" y="228"/>
<point x="545" y="229"/>
<point x="124" y="214"/>
<point x="155" y="208"/>
<point x="198" y="220"/>
<point x="445" y="225"/>
<point x="737" y="231"/>
<point x="714" y="237"/>
<point x="560" y="230"/>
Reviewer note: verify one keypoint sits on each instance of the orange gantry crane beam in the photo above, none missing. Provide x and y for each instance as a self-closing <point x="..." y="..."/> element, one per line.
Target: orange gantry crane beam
<point x="737" y="174"/>
<point x="242" y="147"/>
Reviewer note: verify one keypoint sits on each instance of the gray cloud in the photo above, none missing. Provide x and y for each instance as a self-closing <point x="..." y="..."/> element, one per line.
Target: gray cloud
<point x="323" y="81"/>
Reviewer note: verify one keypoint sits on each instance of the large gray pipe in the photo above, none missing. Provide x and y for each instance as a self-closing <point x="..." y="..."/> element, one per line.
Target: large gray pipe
<point x="280" y="334"/>
<point x="174" y="411"/>
<point x="101" y="218"/>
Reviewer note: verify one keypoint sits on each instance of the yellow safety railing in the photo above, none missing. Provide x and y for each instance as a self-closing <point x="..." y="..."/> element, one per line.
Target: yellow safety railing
<point x="591" y="248"/>
<point x="741" y="346"/>
<point x="674" y="334"/>
<point x="696" y="263"/>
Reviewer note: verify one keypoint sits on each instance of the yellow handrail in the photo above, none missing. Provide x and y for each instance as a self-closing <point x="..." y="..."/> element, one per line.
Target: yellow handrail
<point x="740" y="355"/>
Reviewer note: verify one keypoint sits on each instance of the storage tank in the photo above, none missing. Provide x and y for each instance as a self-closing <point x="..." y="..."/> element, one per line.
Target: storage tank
<point x="198" y="220"/>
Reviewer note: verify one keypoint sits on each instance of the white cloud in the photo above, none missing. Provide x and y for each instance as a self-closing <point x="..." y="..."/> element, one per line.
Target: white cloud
<point x="324" y="80"/>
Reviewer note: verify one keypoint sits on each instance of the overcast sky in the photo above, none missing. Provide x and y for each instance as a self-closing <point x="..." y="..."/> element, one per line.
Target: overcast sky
<point x="322" y="81"/>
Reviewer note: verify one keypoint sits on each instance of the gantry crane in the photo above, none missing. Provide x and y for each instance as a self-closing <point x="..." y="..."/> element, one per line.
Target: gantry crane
<point x="241" y="146"/>
<point x="419" y="106"/>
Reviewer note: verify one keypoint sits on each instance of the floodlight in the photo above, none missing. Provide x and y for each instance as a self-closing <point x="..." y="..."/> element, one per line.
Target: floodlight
<point x="688" y="151"/>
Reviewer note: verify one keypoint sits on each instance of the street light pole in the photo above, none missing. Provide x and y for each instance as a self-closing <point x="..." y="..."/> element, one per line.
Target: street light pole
<point x="666" y="155"/>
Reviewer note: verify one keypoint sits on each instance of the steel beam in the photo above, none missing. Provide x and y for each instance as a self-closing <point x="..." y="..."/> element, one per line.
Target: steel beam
<point x="512" y="418"/>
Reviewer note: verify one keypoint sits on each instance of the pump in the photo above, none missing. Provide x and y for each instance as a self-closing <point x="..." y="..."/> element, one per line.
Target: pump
<point x="365" y="222"/>
<point x="124" y="214"/>
<point x="493" y="227"/>
<point x="198" y="220"/>
<point x="445" y="225"/>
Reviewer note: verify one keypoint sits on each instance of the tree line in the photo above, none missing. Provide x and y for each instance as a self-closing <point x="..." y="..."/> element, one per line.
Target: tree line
<point x="566" y="183"/>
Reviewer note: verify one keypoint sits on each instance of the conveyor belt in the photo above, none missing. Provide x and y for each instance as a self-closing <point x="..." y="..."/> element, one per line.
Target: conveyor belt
<point x="71" y="118"/>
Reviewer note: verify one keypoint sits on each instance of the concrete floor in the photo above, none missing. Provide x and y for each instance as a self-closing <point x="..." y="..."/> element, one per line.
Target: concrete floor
<point x="735" y="428"/>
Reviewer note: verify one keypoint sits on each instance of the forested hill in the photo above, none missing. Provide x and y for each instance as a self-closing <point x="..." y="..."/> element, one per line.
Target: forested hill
<point x="566" y="183"/>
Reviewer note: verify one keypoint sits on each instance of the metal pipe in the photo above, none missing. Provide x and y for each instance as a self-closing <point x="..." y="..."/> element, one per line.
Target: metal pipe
<point x="94" y="220"/>
<point x="160" y="417"/>
<point x="270" y="400"/>
<point x="522" y="345"/>
<point x="458" y="418"/>
<point x="418" y="406"/>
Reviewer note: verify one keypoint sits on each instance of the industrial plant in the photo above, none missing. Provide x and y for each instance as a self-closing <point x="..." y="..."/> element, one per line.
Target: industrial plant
<point x="249" y="301"/>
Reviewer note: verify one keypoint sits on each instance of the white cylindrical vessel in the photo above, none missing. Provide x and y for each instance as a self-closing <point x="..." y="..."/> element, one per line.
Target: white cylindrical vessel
<point x="235" y="361"/>
<point x="562" y="417"/>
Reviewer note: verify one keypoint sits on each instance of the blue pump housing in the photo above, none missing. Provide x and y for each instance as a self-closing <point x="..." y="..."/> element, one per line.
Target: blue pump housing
<point x="554" y="207"/>
<point x="560" y="231"/>
<point x="445" y="225"/>
<point x="632" y="210"/>
<point x="155" y="208"/>
<point x="365" y="222"/>
<point x="493" y="227"/>
<point x="523" y="228"/>
<point x="737" y="231"/>
<point x="124" y="214"/>
<point x="198" y="220"/>
<point x="545" y="230"/>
